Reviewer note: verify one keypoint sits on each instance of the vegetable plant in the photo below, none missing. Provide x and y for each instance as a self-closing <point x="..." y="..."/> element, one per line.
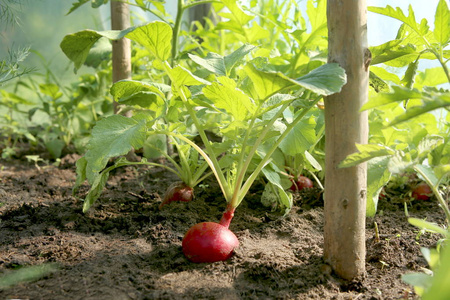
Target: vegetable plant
<point x="238" y="96"/>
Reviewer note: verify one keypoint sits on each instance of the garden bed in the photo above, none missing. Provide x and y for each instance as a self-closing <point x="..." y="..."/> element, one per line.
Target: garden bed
<point x="126" y="248"/>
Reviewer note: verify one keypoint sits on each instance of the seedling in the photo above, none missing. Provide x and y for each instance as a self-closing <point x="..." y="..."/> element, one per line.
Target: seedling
<point x="239" y="96"/>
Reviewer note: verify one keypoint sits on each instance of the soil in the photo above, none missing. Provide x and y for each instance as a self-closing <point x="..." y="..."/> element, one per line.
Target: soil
<point x="126" y="248"/>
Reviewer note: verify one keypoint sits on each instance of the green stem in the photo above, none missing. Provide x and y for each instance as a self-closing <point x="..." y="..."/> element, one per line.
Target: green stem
<point x="186" y="170"/>
<point x="168" y="157"/>
<point x="436" y="192"/>
<point x="317" y="179"/>
<point x="197" y="177"/>
<point x="201" y="2"/>
<point x="203" y="177"/>
<point x="266" y="159"/>
<point x="205" y="156"/>
<point x="237" y="194"/>
<point x="220" y="176"/>
<point x="244" y="145"/>
<point x="176" y="31"/>
<point x="444" y="66"/>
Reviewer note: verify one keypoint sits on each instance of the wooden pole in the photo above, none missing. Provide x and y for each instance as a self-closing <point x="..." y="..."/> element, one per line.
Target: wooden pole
<point x="345" y="189"/>
<point x="121" y="49"/>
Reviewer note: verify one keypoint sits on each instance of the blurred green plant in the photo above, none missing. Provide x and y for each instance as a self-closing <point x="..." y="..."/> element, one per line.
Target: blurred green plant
<point x="53" y="117"/>
<point x="26" y="274"/>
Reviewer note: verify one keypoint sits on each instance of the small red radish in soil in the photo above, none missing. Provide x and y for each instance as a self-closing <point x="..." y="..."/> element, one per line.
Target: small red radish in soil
<point x="422" y="191"/>
<point x="301" y="183"/>
<point x="208" y="242"/>
<point x="177" y="191"/>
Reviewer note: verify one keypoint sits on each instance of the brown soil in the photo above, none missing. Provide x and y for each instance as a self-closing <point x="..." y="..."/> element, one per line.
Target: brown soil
<point x="126" y="248"/>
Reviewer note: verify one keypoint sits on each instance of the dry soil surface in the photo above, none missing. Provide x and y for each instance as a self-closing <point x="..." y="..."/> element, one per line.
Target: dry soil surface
<point x="126" y="248"/>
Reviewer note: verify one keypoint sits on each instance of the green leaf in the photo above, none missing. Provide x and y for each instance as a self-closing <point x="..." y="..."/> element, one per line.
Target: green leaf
<point x="156" y="37"/>
<point x="26" y="274"/>
<point x="440" y="289"/>
<point x="276" y="187"/>
<point x="299" y="139"/>
<point x="418" y="280"/>
<point x="236" y="14"/>
<point x="378" y="176"/>
<point x="184" y="77"/>
<point x="431" y="227"/>
<point x="133" y="92"/>
<point x="219" y="65"/>
<point x="99" y="180"/>
<point x="394" y="51"/>
<point x="428" y="172"/>
<point x="427" y="144"/>
<point x="316" y="165"/>
<point x="232" y="59"/>
<point x="431" y="256"/>
<point x="398" y="94"/>
<point x="400" y="162"/>
<point x="255" y="33"/>
<point x="316" y="14"/>
<point x="267" y="84"/>
<point x="76" y="5"/>
<point x="98" y="3"/>
<point x="442" y="23"/>
<point x="441" y="172"/>
<point x="398" y="14"/>
<point x="428" y="105"/>
<point x="55" y="147"/>
<point x="213" y="62"/>
<point x="325" y="80"/>
<point x="76" y="46"/>
<point x="125" y="88"/>
<point x="100" y="52"/>
<point x="397" y="58"/>
<point x="384" y="75"/>
<point x="97" y="185"/>
<point x="81" y="173"/>
<point x="225" y="95"/>
<point x="365" y="153"/>
<point x="410" y="74"/>
<point x="13" y="98"/>
<point x="111" y="137"/>
<point x="430" y="77"/>
<point x="50" y="89"/>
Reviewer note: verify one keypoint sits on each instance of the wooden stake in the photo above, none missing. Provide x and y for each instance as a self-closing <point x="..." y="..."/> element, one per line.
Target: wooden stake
<point x="121" y="49"/>
<point x="345" y="189"/>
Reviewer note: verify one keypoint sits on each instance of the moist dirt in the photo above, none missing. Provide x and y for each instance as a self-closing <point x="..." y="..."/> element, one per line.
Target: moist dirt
<point x="125" y="247"/>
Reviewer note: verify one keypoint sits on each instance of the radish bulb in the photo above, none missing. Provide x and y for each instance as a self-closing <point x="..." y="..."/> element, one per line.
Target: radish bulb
<point x="177" y="191"/>
<point x="301" y="183"/>
<point x="208" y="242"/>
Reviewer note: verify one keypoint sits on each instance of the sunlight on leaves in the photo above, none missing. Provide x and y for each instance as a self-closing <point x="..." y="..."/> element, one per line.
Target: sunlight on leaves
<point x="225" y="95"/>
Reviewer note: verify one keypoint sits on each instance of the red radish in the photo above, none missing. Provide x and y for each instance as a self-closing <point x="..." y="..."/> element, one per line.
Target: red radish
<point x="177" y="191"/>
<point x="422" y="191"/>
<point x="301" y="183"/>
<point x="209" y="241"/>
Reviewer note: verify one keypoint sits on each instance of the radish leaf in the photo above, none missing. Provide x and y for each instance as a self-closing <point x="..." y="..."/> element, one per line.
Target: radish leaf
<point x="113" y="136"/>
